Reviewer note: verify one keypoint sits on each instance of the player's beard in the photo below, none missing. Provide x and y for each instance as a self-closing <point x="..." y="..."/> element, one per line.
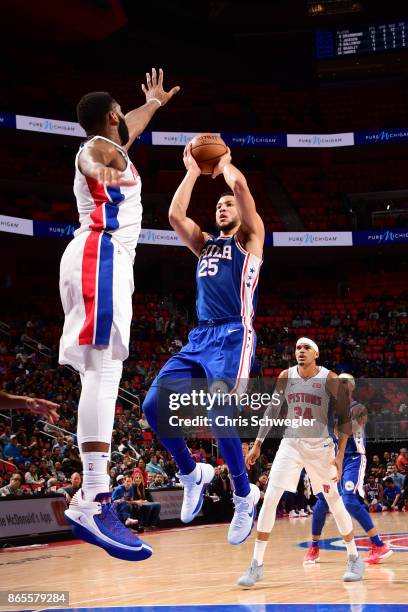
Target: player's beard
<point x="228" y="227"/>
<point x="123" y="131"/>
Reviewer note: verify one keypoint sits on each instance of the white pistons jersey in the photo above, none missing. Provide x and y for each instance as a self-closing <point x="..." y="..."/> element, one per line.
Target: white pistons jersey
<point x="308" y="405"/>
<point x="111" y="209"/>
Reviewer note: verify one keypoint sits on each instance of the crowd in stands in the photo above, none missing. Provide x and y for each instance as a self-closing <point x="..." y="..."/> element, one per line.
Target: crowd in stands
<point x="365" y="335"/>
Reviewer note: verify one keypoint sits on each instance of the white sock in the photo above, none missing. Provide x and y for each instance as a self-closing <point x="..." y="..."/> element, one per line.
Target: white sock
<point x="351" y="548"/>
<point x="95" y="474"/>
<point x="259" y="550"/>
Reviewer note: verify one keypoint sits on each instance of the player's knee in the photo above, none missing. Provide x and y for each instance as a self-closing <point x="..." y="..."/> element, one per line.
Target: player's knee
<point x="351" y="503"/>
<point x="149" y="406"/>
<point x="341" y="516"/>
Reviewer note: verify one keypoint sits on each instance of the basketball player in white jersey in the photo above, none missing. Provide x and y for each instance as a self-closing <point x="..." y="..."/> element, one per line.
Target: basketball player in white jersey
<point x="307" y="389"/>
<point x="96" y="286"/>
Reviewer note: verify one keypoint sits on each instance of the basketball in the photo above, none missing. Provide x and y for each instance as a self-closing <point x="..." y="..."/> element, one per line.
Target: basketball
<point x="207" y="150"/>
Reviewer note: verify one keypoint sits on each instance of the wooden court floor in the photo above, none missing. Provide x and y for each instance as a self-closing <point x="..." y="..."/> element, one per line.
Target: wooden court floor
<point x="196" y="565"/>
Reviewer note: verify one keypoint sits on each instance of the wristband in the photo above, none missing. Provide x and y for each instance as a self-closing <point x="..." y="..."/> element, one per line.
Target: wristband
<point x="154" y="100"/>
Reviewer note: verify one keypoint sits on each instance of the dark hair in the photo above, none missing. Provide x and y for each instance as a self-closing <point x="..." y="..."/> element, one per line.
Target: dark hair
<point x="92" y="108"/>
<point x="227" y="193"/>
<point x="389" y="480"/>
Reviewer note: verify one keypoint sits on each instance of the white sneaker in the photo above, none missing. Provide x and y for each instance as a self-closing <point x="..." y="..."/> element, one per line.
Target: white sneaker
<point x="194" y="484"/>
<point x="244" y="516"/>
<point x="302" y="513"/>
<point x="98" y="523"/>
<point x="254" y="573"/>
<point x="293" y="514"/>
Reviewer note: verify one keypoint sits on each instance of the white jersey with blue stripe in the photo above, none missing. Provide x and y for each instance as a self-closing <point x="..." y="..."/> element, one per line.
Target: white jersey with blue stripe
<point x="104" y="208"/>
<point x="356" y="444"/>
<point x="227" y="280"/>
<point x="309" y="399"/>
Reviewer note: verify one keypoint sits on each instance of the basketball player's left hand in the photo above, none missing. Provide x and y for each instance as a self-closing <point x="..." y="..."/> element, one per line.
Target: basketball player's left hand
<point x="338" y="464"/>
<point x="154" y="87"/>
<point x="43" y="408"/>
<point x="224" y="160"/>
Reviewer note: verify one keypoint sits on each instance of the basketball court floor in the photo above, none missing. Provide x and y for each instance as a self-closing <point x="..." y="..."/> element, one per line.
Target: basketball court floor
<point x="195" y="569"/>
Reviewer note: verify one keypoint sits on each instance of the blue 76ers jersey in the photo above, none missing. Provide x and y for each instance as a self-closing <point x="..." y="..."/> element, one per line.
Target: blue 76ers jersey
<point x="357" y="441"/>
<point x="227" y="280"/>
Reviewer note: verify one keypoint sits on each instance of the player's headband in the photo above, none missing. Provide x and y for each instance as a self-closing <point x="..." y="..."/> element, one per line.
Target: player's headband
<point x="309" y="342"/>
<point x="349" y="377"/>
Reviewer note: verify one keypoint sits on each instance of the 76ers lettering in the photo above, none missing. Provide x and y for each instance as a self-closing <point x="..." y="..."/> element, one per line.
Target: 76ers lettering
<point x="210" y="256"/>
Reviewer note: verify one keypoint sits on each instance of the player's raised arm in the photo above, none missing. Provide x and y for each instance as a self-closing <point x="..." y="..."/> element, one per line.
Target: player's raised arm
<point x="271" y="412"/>
<point x="156" y="96"/>
<point x="41" y="407"/>
<point x="252" y="228"/>
<point x="187" y="229"/>
<point x="98" y="161"/>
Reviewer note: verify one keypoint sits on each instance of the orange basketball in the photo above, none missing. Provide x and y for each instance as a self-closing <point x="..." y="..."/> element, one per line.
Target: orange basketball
<point x="207" y="150"/>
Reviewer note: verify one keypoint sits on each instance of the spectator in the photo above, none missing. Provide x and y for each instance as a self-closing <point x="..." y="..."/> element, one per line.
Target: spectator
<point x="153" y="466"/>
<point x="13" y="488"/>
<point x="158" y="482"/>
<point x="392" y="495"/>
<point x="60" y="443"/>
<point x="402" y="462"/>
<point x="221" y="484"/>
<point x="124" y="499"/>
<point x="113" y="477"/>
<point x="143" y="424"/>
<point x="148" y="510"/>
<point x="141" y="467"/>
<point x="373" y="494"/>
<point x="32" y="477"/>
<point x="12" y="450"/>
<point x="75" y="485"/>
<point x="52" y="485"/>
<point x="58" y="473"/>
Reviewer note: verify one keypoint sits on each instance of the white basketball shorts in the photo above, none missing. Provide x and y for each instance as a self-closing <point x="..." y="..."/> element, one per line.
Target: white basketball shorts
<point x="96" y="287"/>
<point x="294" y="454"/>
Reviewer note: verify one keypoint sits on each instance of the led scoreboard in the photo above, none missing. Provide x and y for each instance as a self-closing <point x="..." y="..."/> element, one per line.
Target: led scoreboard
<point x="362" y="41"/>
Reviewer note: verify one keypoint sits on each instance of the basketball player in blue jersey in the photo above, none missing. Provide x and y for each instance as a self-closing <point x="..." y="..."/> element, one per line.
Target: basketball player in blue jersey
<point x="222" y="348"/>
<point x="308" y="390"/>
<point x="96" y="286"/>
<point x="352" y="483"/>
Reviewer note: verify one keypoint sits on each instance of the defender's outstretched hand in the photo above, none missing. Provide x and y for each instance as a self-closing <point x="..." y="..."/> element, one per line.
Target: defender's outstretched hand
<point x="154" y="88"/>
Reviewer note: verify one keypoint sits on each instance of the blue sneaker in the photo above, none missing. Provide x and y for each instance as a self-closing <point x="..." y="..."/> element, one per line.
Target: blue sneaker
<point x="244" y="516"/>
<point x="98" y="523"/>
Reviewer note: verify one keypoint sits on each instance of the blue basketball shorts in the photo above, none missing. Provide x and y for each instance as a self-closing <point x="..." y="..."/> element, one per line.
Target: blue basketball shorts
<point x="354" y="467"/>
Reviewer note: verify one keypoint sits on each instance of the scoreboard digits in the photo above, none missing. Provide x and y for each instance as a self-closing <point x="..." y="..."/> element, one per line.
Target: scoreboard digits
<point x="372" y="39"/>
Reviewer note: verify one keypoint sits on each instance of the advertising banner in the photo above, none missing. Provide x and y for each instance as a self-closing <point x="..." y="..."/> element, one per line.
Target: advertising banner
<point x="254" y="140"/>
<point x="15" y="225"/>
<point x="170" y="501"/>
<point x="321" y="140"/>
<point x="157" y="236"/>
<point x="381" y="136"/>
<point x="380" y="236"/>
<point x="50" y="126"/>
<point x="54" y="229"/>
<point x="173" y="138"/>
<point x="7" y="120"/>
<point x="285" y="239"/>
<point x="30" y="514"/>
